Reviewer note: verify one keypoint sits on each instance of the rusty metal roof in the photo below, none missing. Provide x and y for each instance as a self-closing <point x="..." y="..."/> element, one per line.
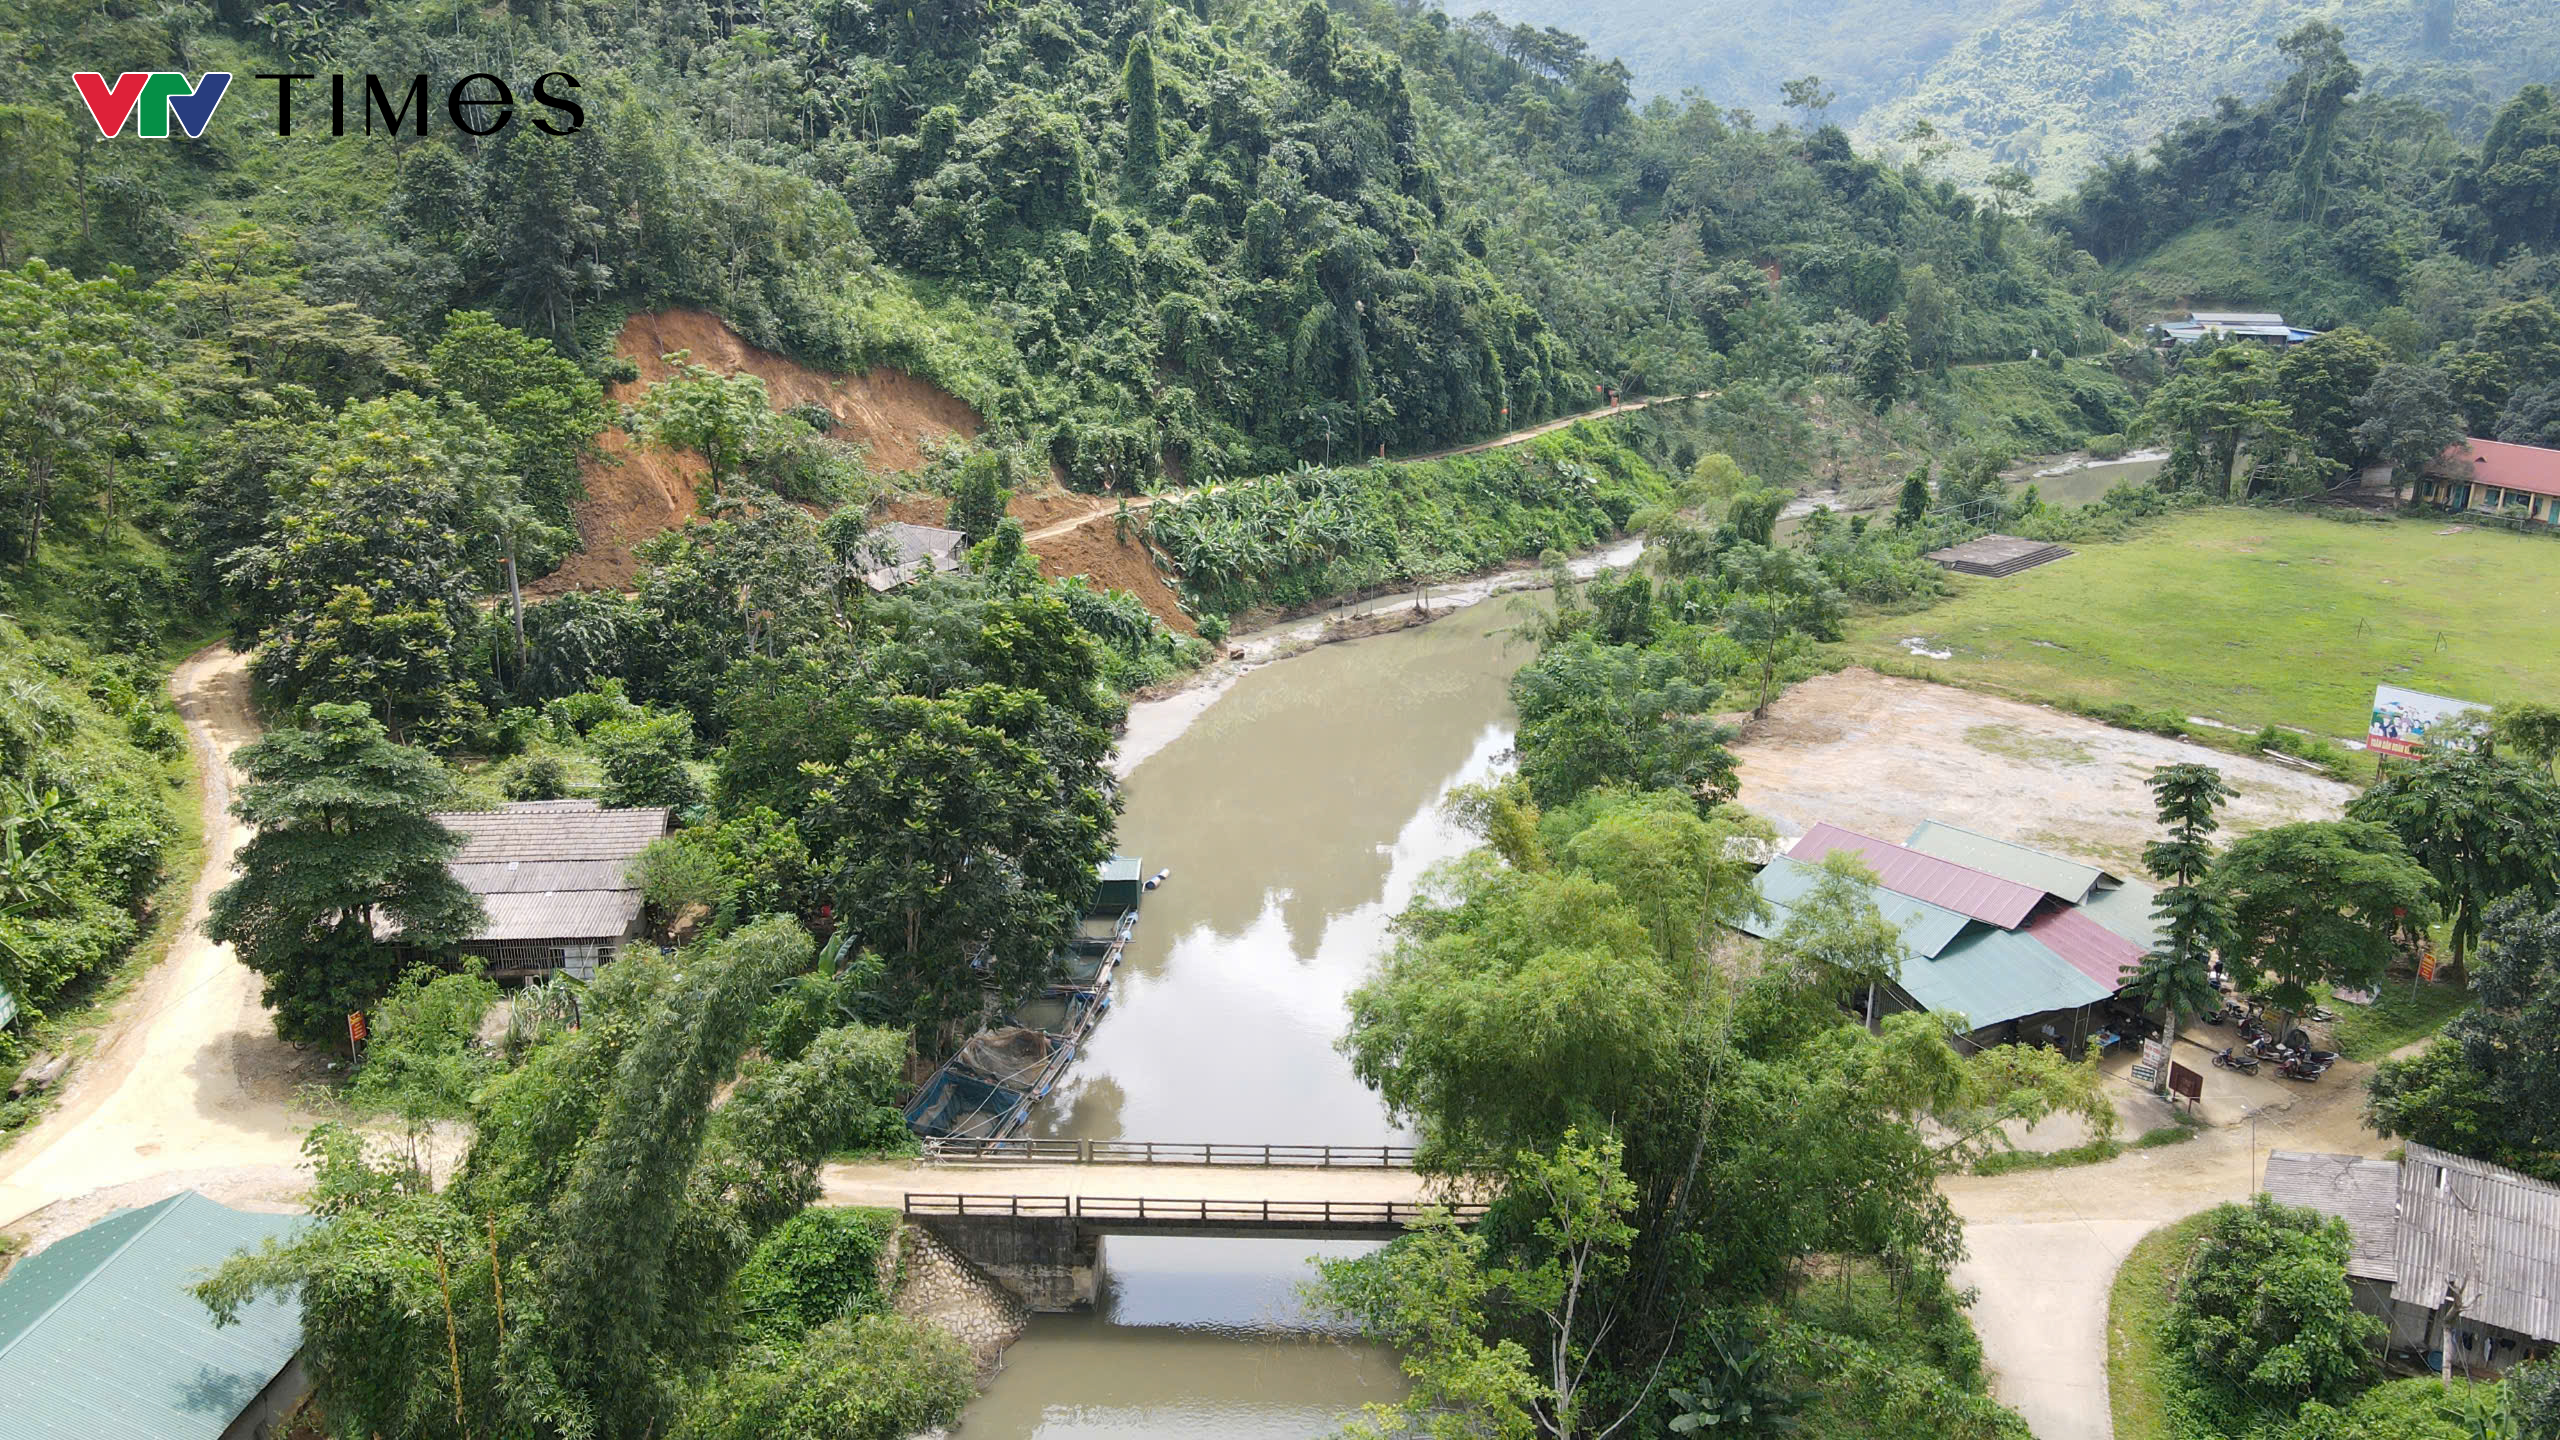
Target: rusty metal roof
<point x="1942" y="883"/>
<point x="2087" y="946"/>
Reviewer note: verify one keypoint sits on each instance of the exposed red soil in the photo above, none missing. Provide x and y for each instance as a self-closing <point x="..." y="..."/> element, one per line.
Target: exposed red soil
<point x="1072" y="534"/>
<point x="635" y="492"/>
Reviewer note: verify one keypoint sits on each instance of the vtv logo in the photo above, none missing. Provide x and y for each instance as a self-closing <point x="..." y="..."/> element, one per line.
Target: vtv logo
<point x="153" y="98"/>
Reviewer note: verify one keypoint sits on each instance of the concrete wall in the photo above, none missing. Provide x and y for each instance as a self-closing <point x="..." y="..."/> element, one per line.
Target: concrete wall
<point x="1045" y="1262"/>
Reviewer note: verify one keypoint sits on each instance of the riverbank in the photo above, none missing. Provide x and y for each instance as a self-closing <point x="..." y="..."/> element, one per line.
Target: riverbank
<point x="1159" y="716"/>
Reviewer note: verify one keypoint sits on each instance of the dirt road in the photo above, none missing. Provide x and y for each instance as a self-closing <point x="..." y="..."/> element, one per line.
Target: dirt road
<point x="188" y="1087"/>
<point x="2043" y="1246"/>
<point x="1141" y="503"/>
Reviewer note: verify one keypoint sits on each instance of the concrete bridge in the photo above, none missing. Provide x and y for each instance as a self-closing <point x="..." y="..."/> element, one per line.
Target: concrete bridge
<point x="1037" y="1228"/>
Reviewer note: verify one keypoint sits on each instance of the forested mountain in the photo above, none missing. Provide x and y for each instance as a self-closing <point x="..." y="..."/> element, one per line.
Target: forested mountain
<point x="1233" y="238"/>
<point x="2052" y="85"/>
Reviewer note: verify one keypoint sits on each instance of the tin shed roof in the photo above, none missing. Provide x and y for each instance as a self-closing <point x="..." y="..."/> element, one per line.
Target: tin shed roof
<point x="1942" y="883"/>
<point x="2489" y="1232"/>
<point x="99" y="1339"/>
<point x="2361" y="1191"/>
<point x="2065" y="880"/>
<point x="2130" y="910"/>
<point x="553" y="830"/>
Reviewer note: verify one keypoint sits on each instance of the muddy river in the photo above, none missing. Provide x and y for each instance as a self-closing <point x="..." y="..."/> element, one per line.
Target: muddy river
<point x="1297" y="813"/>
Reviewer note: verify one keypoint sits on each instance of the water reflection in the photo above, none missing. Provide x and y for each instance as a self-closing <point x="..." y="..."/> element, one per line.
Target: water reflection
<point x="1298" y="814"/>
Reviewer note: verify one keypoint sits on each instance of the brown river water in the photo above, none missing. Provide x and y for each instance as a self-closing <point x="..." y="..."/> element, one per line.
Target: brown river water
<point x="1298" y="813"/>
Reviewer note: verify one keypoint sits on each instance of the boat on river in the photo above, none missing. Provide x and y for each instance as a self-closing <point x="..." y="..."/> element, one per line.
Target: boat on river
<point x="986" y="1090"/>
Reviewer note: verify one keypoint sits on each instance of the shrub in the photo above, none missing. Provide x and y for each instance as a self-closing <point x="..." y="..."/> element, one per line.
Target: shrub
<point x="879" y="1377"/>
<point x="2263" y="1314"/>
<point x="2107" y="447"/>
<point x="817" y="1267"/>
<point x="538" y="777"/>
<point x="644" y="760"/>
<point x="1213" y="628"/>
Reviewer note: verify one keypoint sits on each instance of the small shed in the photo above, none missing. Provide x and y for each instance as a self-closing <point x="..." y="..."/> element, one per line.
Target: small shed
<point x="1117" y="885"/>
<point x="904" y="552"/>
<point x="556" y="879"/>
<point x="99" y="1339"/>
<point x="1994" y="556"/>
<point x="2453" y="1253"/>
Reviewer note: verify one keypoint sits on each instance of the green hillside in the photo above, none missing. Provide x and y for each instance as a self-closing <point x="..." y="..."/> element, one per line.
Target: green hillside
<point x="2054" y="85"/>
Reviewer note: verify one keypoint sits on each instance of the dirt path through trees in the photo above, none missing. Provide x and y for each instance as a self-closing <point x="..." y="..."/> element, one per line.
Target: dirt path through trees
<point x="188" y="1086"/>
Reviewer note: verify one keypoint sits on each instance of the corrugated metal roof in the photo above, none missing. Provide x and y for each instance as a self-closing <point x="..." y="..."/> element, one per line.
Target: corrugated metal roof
<point x="1942" y="883"/>
<point x="8" y="1005"/>
<point x="533" y="877"/>
<point x="918" y="549"/>
<point x="2065" y="880"/>
<point x="1988" y="976"/>
<point x="2129" y="909"/>
<point x="2360" y="1190"/>
<point x="542" y="830"/>
<point x="99" y="1339"/>
<point x="565" y="915"/>
<point x="1926" y="929"/>
<point x="2087" y="946"/>
<point x="2485" y="1231"/>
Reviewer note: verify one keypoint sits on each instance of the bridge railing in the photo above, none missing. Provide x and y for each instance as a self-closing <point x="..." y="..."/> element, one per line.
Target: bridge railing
<point x="1148" y="1210"/>
<point x="1028" y="1151"/>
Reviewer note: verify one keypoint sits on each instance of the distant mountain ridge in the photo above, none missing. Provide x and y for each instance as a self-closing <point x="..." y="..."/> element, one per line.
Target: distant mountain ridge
<point x="2054" y="85"/>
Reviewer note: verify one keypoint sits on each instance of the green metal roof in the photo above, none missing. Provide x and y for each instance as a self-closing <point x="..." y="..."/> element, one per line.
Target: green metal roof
<point x="1122" y="868"/>
<point x="99" y="1339"/>
<point x="2066" y="880"/>
<point x="1784" y="882"/>
<point x="8" y="1005"/>
<point x="1951" y="963"/>
<point x="1990" y="975"/>
<point x="2127" y="910"/>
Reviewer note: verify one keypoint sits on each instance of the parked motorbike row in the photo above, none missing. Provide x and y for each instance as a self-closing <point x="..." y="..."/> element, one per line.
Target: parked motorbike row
<point x="2293" y="1056"/>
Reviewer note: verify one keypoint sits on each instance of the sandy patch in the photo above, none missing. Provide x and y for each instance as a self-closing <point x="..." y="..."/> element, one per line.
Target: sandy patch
<point x="1880" y="755"/>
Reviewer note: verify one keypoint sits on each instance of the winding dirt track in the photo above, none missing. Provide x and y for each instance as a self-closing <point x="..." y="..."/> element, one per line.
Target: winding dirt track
<point x="188" y="1086"/>
<point x="1104" y="511"/>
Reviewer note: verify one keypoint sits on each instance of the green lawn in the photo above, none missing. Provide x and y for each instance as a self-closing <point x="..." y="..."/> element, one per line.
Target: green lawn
<point x="2254" y="617"/>
<point x="2136" y="1389"/>
<point x="2400" y="1013"/>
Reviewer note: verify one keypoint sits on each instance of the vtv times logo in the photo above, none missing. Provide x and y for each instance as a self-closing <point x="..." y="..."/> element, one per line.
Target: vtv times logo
<point x="152" y="99"/>
<point x="479" y="105"/>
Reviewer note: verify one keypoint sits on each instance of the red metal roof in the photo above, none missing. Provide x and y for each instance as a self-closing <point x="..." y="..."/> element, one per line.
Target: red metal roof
<point x="1942" y="883"/>
<point x="2087" y="946"/>
<point x="2529" y="468"/>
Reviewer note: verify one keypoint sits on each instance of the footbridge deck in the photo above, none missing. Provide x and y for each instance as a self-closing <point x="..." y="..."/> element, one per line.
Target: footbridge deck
<point x="1097" y="1215"/>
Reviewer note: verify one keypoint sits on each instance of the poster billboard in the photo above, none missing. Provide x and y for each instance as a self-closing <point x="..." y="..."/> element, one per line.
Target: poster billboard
<point x="2401" y="718"/>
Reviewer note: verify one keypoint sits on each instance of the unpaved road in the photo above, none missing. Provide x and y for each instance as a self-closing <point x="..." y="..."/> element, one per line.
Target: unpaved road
<point x="2043" y="1246"/>
<point x="1880" y="754"/>
<point x="1139" y="503"/>
<point x="188" y="1086"/>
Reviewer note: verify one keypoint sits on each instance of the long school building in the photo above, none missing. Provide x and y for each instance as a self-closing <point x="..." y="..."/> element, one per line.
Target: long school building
<point x="2491" y="477"/>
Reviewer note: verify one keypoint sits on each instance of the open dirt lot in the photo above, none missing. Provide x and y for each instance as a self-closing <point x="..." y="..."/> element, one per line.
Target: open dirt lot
<point x="1880" y="755"/>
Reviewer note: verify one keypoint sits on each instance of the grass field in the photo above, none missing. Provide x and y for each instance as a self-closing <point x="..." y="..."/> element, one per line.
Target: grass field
<point x="2137" y="1389"/>
<point x="2252" y="618"/>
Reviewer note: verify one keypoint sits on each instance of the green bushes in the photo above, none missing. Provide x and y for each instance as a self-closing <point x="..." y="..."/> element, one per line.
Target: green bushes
<point x="819" y="1266"/>
<point x="2263" y="1316"/>
<point x="2333" y="761"/>
<point x="879" y="1377"/>
<point x="1290" y="539"/>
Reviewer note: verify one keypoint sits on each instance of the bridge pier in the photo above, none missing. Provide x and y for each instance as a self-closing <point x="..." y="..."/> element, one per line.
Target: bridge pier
<point x="1050" y="1262"/>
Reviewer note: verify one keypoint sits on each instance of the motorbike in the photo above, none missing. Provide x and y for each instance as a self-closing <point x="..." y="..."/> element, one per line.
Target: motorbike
<point x="2234" y="1058"/>
<point x="2297" y="1068"/>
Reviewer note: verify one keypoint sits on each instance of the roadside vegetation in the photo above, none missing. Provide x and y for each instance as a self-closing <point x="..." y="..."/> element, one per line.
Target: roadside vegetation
<point x="2237" y="1324"/>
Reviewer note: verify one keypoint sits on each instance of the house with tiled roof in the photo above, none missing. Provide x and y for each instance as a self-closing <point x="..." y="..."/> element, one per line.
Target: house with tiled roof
<point x="557" y="880"/>
<point x="2492" y="477"/>
<point x="2021" y="944"/>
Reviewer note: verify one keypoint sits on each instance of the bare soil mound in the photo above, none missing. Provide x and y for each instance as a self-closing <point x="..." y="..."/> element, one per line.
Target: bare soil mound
<point x="634" y="492"/>
<point x="1073" y="535"/>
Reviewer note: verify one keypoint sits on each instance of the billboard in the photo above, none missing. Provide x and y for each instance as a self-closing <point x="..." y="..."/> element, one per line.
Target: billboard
<point x="2401" y="718"/>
